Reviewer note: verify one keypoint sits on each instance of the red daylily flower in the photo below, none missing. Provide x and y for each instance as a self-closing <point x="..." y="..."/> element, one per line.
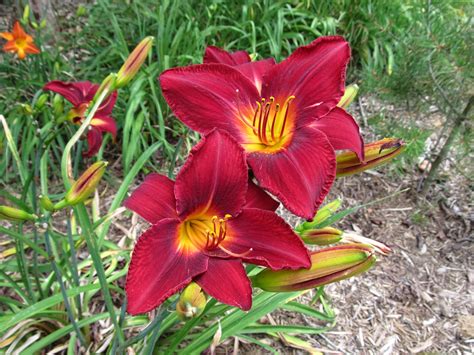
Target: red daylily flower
<point x="80" y="94"/>
<point x="284" y="115"/>
<point x="205" y="224"/>
<point x="19" y="41"/>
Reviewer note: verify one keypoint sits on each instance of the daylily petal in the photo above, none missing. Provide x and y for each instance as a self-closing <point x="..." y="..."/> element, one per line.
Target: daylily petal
<point x="21" y="53"/>
<point x="258" y="198"/>
<point x="18" y="31"/>
<point x="70" y="91"/>
<point x="227" y="282"/>
<point x="154" y="199"/>
<point x="105" y="109"/>
<point x="256" y="70"/>
<point x="314" y="74"/>
<point x="264" y="238"/>
<point x="342" y="131"/>
<point x="219" y="55"/>
<point x="209" y="96"/>
<point x="105" y="124"/>
<point x="214" y="178"/>
<point x="94" y="140"/>
<point x="10" y="47"/>
<point x="158" y="268"/>
<point x="7" y="35"/>
<point x="31" y="48"/>
<point x="300" y="175"/>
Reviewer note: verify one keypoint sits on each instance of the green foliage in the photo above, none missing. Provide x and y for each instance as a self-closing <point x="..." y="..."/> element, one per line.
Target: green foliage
<point x="412" y="135"/>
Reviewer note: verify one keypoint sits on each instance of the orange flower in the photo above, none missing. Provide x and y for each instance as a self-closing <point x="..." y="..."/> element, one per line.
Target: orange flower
<point x="19" y="41"/>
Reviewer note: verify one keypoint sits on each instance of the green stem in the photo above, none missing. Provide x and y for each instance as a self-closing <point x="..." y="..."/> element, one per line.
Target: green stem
<point x="65" y="161"/>
<point x="91" y="244"/>
<point x="59" y="278"/>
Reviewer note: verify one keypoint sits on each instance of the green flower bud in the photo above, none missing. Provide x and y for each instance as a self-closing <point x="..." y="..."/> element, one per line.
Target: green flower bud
<point x="321" y="216"/>
<point x="58" y="105"/>
<point x="349" y="95"/>
<point x="376" y="153"/>
<point x="191" y="303"/>
<point x="327" y="266"/>
<point x="46" y="203"/>
<point x="15" y="214"/>
<point x="322" y="236"/>
<point x="84" y="186"/>
<point x="41" y="101"/>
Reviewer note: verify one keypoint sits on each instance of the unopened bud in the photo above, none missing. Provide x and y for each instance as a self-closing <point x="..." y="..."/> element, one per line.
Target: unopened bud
<point x="41" y="101"/>
<point x="46" y="203"/>
<point x="327" y="266"/>
<point x="85" y="185"/>
<point x="26" y="14"/>
<point x="133" y="63"/>
<point x="376" y="153"/>
<point x="191" y="303"/>
<point x="27" y="109"/>
<point x="81" y="11"/>
<point x="349" y="96"/>
<point x="321" y="216"/>
<point x="58" y="105"/>
<point x="15" y="214"/>
<point x="322" y="236"/>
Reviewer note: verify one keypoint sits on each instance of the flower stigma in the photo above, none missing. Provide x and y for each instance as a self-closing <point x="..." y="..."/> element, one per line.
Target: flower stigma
<point x="207" y="234"/>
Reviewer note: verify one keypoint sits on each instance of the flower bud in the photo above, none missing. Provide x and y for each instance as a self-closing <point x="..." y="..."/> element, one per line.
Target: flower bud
<point x="27" y="109"/>
<point x="58" y="105"/>
<point x="349" y="96"/>
<point x="133" y="63"/>
<point x="322" y="236"/>
<point x="327" y="266"/>
<point x="46" y="203"/>
<point x="26" y="14"/>
<point x="376" y="153"/>
<point x="321" y="216"/>
<point x="85" y="185"/>
<point x="41" y="101"/>
<point x="15" y="214"/>
<point x="191" y="302"/>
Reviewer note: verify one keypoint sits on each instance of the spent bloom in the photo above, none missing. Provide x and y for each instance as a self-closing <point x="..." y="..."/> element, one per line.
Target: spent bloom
<point x="80" y="95"/>
<point x="204" y="226"/>
<point x="284" y="115"/>
<point x="19" y="41"/>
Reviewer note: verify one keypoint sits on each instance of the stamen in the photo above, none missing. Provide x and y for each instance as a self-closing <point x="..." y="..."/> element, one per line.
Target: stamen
<point x="287" y="106"/>
<point x="263" y="132"/>
<point x="277" y="108"/>
<point x="236" y="255"/>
